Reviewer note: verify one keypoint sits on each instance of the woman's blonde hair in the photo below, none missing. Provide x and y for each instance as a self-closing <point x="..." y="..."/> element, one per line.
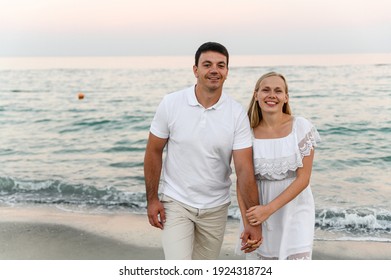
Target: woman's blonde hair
<point x="254" y="110"/>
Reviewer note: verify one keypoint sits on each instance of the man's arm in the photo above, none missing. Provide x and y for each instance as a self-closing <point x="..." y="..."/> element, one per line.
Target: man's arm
<point x="244" y="168"/>
<point x="248" y="244"/>
<point x="153" y="161"/>
<point x="247" y="192"/>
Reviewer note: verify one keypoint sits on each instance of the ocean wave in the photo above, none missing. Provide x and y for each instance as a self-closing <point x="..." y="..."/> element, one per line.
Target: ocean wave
<point x="363" y="221"/>
<point x="120" y="149"/>
<point x="354" y="220"/>
<point x="354" y="129"/>
<point x="127" y="164"/>
<point x="358" y="161"/>
<point x="13" y="191"/>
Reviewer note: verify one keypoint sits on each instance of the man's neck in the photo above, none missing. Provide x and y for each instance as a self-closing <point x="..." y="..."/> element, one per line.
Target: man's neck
<point x="207" y="98"/>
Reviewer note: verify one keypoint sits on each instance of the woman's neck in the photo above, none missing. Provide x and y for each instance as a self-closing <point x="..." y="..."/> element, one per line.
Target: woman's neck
<point x="274" y="120"/>
<point x="276" y="126"/>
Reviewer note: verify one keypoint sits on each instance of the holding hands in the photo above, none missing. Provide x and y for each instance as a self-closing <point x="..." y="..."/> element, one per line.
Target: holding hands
<point x="251" y="238"/>
<point x="252" y="234"/>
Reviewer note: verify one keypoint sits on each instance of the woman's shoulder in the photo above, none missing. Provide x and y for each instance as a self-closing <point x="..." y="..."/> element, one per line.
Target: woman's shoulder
<point x="302" y="123"/>
<point x="304" y="128"/>
<point x="301" y="120"/>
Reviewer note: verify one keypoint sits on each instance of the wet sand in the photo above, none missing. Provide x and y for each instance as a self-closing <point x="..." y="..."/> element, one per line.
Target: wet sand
<point x="41" y="233"/>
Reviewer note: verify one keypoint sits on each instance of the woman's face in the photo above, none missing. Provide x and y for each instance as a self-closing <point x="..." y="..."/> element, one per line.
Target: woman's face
<point x="271" y="95"/>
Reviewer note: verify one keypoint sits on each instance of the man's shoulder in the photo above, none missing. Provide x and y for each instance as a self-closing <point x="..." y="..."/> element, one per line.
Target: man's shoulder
<point x="233" y="102"/>
<point x="182" y="91"/>
<point x="175" y="95"/>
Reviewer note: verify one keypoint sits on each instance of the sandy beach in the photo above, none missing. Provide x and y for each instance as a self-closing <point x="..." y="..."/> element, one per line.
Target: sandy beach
<point x="42" y="233"/>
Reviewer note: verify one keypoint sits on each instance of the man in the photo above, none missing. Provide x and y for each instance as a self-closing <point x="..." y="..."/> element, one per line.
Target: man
<point x="203" y="128"/>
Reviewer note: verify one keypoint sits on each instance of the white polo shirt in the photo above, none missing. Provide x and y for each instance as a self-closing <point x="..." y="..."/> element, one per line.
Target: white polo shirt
<point x="197" y="165"/>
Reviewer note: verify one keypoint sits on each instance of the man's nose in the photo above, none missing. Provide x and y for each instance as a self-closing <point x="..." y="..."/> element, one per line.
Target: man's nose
<point x="213" y="68"/>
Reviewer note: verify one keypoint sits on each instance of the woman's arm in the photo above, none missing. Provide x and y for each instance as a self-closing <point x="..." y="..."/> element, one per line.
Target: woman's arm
<point x="258" y="214"/>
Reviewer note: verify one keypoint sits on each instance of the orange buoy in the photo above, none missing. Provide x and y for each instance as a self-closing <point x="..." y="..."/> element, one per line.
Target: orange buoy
<point x="80" y="95"/>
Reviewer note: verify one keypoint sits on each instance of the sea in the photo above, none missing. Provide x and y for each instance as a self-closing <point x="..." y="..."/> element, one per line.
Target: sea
<point x="86" y="155"/>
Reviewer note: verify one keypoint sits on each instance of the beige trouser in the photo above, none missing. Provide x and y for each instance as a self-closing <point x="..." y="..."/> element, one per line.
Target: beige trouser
<point x="191" y="233"/>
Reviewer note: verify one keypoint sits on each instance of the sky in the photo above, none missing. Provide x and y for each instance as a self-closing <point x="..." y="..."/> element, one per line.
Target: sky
<point x="178" y="27"/>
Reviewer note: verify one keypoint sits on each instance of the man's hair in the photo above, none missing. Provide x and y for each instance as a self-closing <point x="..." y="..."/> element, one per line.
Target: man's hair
<point x="211" y="46"/>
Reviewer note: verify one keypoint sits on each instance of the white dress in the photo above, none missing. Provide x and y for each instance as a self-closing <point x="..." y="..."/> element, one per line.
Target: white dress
<point x="289" y="232"/>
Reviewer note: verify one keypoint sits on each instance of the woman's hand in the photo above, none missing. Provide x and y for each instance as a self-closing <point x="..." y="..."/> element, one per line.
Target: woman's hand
<point x="256" y="215"/>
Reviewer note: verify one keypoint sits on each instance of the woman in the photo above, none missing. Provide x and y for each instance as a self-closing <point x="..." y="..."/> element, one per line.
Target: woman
<point x="283" y="151"/>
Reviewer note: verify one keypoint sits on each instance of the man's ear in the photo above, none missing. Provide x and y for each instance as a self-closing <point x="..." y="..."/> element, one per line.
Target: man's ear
<point x="195" y="71"/>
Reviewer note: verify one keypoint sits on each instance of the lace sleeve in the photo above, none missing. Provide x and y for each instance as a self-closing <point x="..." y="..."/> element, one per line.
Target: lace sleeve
<point x="308" y="137"/>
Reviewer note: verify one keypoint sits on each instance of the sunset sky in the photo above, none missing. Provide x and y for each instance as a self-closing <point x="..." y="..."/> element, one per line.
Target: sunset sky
<point x="178" y="27"/>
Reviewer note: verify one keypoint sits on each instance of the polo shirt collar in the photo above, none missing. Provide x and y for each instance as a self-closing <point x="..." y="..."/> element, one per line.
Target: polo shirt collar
<point x="192" y="100"/>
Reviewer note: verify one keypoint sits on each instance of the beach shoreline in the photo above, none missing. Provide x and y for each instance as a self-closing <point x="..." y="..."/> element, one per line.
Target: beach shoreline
<point x="47" y="233"/>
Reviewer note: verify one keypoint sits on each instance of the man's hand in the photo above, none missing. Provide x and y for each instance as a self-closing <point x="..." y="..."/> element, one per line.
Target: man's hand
<point x="156" y="214"/>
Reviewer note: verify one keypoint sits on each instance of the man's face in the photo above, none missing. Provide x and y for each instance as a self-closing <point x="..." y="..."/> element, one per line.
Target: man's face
<point x="212" y="70"/>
